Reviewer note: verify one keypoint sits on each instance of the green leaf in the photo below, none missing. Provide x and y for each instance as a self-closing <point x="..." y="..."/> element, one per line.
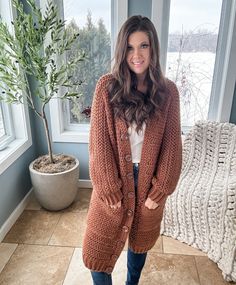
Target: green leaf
<point x="23" y="55"/>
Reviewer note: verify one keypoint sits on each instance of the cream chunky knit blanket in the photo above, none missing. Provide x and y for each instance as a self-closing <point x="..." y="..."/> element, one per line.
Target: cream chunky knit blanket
<point x="202" y="210"/>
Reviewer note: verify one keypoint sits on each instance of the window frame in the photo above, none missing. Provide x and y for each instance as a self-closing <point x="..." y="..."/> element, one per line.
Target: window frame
<point x="224" y="71"/>
<point x="18" y="139"/>
<point x="160" y="18"/>
<point x="7" y="15"/>
<point x="80" y="132"/>
<point x="8" y="126"/>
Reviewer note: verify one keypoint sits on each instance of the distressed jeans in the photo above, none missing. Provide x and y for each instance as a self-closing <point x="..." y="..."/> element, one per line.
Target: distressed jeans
<point x="135" y="261"/>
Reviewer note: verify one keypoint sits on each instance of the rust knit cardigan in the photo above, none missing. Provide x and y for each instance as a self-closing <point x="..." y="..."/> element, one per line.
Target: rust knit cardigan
<point x="111" y="172"/>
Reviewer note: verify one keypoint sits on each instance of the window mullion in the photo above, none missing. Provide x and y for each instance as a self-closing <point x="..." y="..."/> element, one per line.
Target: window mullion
<point x="119" y="14"/>
<point x="225" y="68"/>
<point x="160" y="19"/>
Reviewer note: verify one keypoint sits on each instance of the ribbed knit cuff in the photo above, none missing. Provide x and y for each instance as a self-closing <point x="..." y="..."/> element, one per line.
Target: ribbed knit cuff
<point x="112" y="198"/>
<point x="156" y="195"/>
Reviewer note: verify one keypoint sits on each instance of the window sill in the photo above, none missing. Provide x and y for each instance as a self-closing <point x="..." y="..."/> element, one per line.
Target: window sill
<point x="71" y="136"/>
<point x="14" y="150"/>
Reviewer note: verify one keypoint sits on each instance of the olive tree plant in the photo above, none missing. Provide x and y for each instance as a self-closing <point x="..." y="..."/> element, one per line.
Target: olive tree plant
<point x="32" y="51"/>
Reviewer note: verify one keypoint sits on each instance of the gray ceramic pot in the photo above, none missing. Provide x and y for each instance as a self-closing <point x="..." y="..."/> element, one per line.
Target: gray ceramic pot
<point x="55" y="191"/>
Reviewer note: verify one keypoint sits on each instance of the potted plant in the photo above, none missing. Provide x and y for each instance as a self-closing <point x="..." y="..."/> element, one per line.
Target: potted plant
<point x="32" y="50"/>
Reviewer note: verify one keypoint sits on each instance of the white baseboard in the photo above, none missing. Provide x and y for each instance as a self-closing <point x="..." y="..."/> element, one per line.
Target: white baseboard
<point x="14" y="216"/>
<point x="85" y="183"/>
<point x="22" y="205"/>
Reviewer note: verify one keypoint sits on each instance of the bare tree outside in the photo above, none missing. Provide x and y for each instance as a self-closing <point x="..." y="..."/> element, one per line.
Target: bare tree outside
<point x="191" y="58"/>
<point x="192" y="45"/>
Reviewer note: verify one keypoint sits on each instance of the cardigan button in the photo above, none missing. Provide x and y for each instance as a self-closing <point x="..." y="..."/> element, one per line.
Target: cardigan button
<point x="114" y="257"/>
<point x="130" y="194"/>
<point x="130" y="213"/>
<point x="125" y="229"/>
<point x="121" y="243"/>
<point x="109" y="270"/>
<point x="128" y="157"/>
<point x="130" y="175"/>
<point x="124" y="137"/>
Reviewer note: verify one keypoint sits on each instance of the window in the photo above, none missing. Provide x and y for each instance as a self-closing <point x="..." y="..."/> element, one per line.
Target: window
<point x="15" y="136"/>
<point x="97" y="25"/>
<point x="92" y="22"/>
<point x="6" y="120"/>
<point x="192" y="43"/>
<point x="196" y="47"/>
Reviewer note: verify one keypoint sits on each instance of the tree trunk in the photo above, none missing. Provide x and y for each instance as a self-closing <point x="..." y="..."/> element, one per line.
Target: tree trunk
<point x="49" y="143"/>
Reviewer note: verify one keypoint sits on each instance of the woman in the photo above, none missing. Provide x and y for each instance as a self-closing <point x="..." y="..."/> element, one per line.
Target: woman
<point x="135" y="154"/>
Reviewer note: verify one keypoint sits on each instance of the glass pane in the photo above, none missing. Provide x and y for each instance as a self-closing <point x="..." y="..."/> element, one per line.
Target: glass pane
<point x="2" y="128"/>
<point x="192" y="43"/>
<point x="91" y="19"/>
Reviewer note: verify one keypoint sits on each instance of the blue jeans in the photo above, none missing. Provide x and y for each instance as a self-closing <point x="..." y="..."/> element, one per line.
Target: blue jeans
<point x="135" y="263"/>
<point x="135" y="171"/>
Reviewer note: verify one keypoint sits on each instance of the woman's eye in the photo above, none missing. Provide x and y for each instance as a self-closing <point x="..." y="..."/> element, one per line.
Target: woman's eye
<point x="144" y="46"/>
<point x="129" y="48"/>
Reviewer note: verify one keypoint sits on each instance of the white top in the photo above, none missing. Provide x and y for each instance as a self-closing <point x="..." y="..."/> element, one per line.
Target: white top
<point x="136" y="142"/>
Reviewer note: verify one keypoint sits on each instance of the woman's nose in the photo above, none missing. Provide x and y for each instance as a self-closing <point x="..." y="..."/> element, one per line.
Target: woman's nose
<point x="136" y="52"/>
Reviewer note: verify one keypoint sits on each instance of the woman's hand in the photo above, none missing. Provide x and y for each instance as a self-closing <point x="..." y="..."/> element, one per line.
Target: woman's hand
<point x="150" y="204"/>
<point x="116" y="206"/>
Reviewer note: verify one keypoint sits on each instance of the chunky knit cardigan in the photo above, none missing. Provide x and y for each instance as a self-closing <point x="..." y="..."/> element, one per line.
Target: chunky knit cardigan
<point x="111" y="172"/>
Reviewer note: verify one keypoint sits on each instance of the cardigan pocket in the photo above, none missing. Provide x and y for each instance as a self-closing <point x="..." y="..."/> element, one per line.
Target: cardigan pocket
<point x="112" y="210"/>
<point x="150" y="219"/>
<point x="103" y="219"/>
<point x="108" y="208"/>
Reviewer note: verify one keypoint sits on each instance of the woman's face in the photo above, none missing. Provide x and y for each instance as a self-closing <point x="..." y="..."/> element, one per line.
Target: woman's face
<point x="138" y="53"/>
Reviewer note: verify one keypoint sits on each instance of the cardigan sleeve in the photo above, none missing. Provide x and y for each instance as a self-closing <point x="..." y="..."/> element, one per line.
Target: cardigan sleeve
<point x="170" y="158"/>
<point x="102" y="165"/>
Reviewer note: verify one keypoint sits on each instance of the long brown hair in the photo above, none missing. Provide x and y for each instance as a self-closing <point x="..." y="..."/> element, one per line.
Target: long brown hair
<point x="128" y="103"/>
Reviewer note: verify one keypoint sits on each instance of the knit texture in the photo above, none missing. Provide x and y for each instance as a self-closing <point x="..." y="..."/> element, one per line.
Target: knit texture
<point x="111" y="172"/>
<point x="202" y="210"/>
